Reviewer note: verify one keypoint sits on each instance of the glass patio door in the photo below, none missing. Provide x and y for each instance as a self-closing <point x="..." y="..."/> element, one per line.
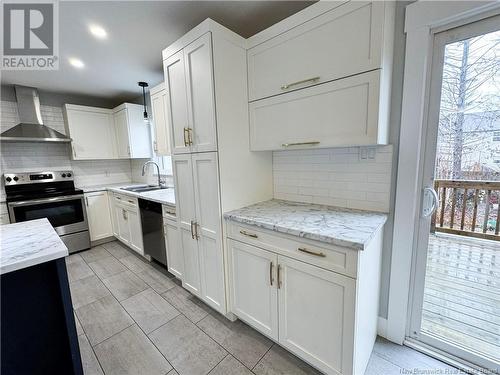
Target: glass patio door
<point x="456" y="268"/>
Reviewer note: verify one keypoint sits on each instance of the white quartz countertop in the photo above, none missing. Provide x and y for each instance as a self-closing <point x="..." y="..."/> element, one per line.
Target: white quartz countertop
<point x="163" y="196"/>
<point x="29" y="243"/>
<point x="338" y="226"/>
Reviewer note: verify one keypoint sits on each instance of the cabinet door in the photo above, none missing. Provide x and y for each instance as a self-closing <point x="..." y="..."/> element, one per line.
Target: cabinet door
<point x="316" y="315"/>
<point x="208" y="229"/>
<point x="159" y="107"/>
<point x="253" y="289"/>
<point x="139" y="132"/>
<point x="91" y="133"/>
<point x="123" y="226"/>
<point x="113" y="210"/>
<point x="135" y="229"/>
<point x="200" y="89"/>
<point x="185" y="201"/>
<point x="99" y="216"/>
<point x="344" y="41"/>
<point x="339" y="113"/>
<point x="175" y="259"/>
<point x="177" y="113"/>
<point x="121" y="131"/>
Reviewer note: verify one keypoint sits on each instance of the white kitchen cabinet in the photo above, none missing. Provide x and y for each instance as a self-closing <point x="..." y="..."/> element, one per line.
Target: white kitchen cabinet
<point x="252" y="281"/>
<point x="112" y="213"/>
<point x="189" y="80"/>
<point x="133" y="136"/>
<point x="339" y="113"/>
<point x="316" y="315"/>
<point x="98" y="215"/>
<point x="196" y="179"/>
<point x="175" y="258"/>
<point x="322" y="77"/>
<point x="128" y="222"/>
<point x="346" y="40"/>
<point x="91" y="130"/>
<point x="322" y="304"/>
<point x="159" y="107"/>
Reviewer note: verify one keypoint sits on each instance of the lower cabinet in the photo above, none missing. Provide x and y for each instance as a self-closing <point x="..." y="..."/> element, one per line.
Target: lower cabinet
<point x="175" y="259"/>
<point x="98" y="215"/>
<point x="307" y="309"/>
<point x="128" y="222"/>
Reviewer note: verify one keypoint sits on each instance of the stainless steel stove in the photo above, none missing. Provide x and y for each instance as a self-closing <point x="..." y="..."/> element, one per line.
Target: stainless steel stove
<point x="51" y="195"/>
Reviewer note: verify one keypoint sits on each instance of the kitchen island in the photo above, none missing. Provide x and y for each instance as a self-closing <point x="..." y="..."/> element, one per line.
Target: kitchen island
<point x="38" y="328"/>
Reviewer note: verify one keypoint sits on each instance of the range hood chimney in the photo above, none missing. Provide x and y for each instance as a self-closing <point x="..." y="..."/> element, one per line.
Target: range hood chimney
<point x="31" y="127"/>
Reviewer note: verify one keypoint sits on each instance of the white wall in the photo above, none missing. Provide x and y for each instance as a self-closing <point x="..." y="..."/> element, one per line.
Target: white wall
<point x="342" y="177"/>
<point x="25" y="157"/>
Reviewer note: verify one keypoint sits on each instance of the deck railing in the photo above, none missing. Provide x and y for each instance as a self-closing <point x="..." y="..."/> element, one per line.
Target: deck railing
<point x="468" y="208"/>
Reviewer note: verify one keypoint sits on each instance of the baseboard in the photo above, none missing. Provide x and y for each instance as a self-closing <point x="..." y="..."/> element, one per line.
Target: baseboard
<point x="382" y="327"/>
<point x="102" y="240"/>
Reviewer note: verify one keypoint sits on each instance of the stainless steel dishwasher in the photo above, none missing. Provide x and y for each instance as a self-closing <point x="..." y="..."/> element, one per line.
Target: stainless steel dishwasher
<point x="152" y="230"/>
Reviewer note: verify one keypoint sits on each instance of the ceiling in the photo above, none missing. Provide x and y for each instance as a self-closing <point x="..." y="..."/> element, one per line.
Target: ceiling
<point x="137" y="33"/>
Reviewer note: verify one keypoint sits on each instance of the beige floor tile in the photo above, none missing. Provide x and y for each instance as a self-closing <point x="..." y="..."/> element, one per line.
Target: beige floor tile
<point x="102" y="319"/>
<point x="186" y="303"/>
<point x="124" y="285"/>
<point x="134" y="264"/>
<point x="87" y="290"/>
<point x="94" y="254"/>
<point x="131" y="352"/>
<point x="278" y="361"/>
<point x="149" y="310"/>
<point x="106" y="267"/>
<point x="243" y="342"/>
<point x="116" y="249"/>
<point x="230" y="366"/>
<point x="89" y="361"/>
<point x="157" y="280"/>
<point x="78" y="269"/>
<point x="186" y="347"/>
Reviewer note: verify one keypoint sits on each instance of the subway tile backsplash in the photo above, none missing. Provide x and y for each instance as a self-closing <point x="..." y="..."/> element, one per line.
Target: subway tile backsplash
<point x="353" y="177"/>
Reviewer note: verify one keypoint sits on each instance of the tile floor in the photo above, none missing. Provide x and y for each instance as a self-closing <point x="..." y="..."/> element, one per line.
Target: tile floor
<point x="133" y="317"/>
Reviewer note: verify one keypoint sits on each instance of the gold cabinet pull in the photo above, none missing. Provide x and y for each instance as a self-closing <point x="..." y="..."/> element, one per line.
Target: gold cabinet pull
<point x="279" y="276"/>
<point x="311" y="143"/>
<point x="271" y="279"/>
<point x="196" y="226"/>
<point x="245" y="233"/>
<point x="288" y="85"/>
<point x="186" y="143"/>
<point x="318" y="254"/>
<point x="192" y="231"/>
<point x="190" y="136"/>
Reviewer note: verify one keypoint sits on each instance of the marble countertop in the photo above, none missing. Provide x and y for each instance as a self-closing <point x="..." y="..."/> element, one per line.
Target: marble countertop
<point x="29" y="243"/>
<point x="338" y="226"/>
<point x="163" y="196"/>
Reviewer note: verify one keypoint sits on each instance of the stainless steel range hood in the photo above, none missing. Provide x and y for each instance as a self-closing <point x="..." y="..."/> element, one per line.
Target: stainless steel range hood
<point x="31" y="127"/>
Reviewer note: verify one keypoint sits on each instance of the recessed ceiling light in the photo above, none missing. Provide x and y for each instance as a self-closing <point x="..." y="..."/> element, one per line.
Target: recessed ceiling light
<point x="98" y="31"/>
<point x="77" y="63"/>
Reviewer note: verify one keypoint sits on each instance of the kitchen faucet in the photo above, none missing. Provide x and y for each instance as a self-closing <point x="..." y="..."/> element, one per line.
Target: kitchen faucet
<point x="157" y="168"/>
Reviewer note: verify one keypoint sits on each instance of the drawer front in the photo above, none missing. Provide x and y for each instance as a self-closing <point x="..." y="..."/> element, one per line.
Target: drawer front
<point x="344" y="41"/>
<point x="168" y="212"/>
<point x="340" y="113"/>
<point x="335" y="258"/>
<point x="126" y="201"/>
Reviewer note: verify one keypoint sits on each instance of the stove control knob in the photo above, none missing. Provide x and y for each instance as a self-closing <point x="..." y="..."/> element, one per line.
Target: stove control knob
<point x="63" y="175"/>
<point x="16" y="178"/>
<point x="69" y="175"/>
<point x="8" y="179"/>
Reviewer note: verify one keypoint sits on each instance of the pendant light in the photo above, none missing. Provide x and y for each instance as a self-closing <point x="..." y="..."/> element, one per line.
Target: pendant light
<point x="144" y="85"/>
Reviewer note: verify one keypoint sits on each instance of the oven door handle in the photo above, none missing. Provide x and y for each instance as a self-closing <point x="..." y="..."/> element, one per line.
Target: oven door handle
<point x="45" y="200"/>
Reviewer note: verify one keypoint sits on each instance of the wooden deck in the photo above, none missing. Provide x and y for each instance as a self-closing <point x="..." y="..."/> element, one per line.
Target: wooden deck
<point x="462" y="293"/>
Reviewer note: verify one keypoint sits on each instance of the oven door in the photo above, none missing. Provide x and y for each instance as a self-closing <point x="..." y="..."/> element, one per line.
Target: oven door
<point x="67" y="214"/>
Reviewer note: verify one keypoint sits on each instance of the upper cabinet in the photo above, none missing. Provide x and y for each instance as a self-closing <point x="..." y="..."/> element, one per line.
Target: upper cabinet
<point x="91" y="130"/>
<point x="321" y="78"/>
<point x="101" y="133"/>
<point x="159" y="102"/>
<point x="190" y="97"/>
<point x="133" y="135"/>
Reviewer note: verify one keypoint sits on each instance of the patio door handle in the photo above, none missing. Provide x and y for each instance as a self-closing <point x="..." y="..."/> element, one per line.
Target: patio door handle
<point x="428" y="210"/>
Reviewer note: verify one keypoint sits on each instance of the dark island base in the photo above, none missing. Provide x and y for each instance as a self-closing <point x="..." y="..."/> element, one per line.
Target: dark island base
<point x="38" y="333"/>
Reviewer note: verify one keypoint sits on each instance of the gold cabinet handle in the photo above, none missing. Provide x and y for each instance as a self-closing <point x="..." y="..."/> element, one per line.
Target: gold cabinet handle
<point x="190" y="136"/>
<point x="186" y="143"/>
<point x="124" y="214"/>
<point x="245" y="233"/>
<point x="271" y="279"/>
<point x="288" y="85"/>
<point x="196" y="226"/>
<point x="192" y="231"/>
<point x="300" y="143"/>
<point x="318" y="254"/>
<point x="279" y="276"/>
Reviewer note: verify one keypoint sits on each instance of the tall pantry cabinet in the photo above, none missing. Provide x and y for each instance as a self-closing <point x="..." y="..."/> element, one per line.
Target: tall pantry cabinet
<point x="214" y="171"/>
